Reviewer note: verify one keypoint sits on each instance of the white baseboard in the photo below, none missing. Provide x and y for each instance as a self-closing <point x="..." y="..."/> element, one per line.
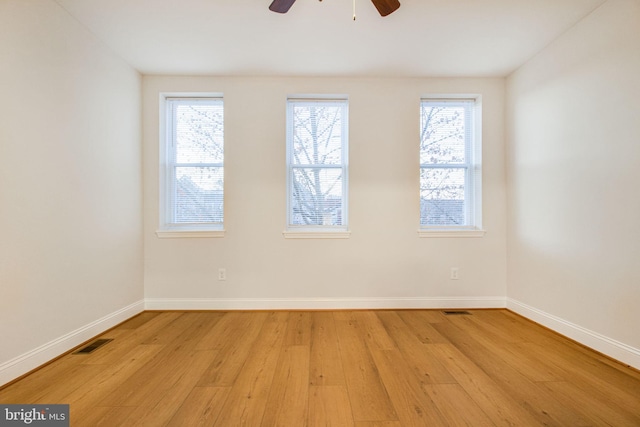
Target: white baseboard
<point x="29" y="361"/>
<point x="605" y="345"/>
<point x="321" y="303"/>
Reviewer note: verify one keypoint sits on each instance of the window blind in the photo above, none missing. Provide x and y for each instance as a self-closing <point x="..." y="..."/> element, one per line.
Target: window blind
<point x="195" y="161"/>
<point x="317" y="163"/>
<point x="449" y="164"/>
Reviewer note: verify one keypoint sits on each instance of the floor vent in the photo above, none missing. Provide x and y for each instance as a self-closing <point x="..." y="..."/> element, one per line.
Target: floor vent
<point x="93" y="346"/>
<point x="456" y="313"/>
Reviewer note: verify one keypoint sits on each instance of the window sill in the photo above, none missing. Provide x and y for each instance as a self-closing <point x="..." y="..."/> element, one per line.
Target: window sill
<point x="189" y="234"/>
<point x="316" y="234"/>
<point x="450" y="233"/>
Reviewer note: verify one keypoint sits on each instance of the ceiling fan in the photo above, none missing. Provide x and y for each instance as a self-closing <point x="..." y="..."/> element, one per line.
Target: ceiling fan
<point x="385" y="7"/>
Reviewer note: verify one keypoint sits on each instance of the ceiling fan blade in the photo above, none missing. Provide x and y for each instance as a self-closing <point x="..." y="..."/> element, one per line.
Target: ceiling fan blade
<point x="386" y="7"/>
<point x="281" y="6"/>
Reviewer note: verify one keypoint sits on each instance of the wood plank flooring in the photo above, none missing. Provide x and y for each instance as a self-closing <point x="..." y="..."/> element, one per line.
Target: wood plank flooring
<point x="336" y="368"/>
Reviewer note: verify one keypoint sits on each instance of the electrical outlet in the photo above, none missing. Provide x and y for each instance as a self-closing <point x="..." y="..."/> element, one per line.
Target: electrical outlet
<point x="222" y="274"/>
<point x="454" y="273"/>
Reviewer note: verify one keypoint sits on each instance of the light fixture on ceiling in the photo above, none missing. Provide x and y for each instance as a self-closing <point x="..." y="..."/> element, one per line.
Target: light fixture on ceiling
<point x="385" y="7"/>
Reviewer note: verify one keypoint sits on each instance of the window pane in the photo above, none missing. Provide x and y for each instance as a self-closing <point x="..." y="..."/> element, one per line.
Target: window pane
<point x="199" y="133"/>
<point x="442" y="134"/>
<point x="317" y="134"/>
<point x="199" y="196"/>
<point x="316" y="196"/>
<point x="442" y="194"/>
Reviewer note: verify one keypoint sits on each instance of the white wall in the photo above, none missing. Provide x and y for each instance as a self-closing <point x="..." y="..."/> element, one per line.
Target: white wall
<point x="70" y="185"/>
<point x="70" y="192"/>
<point x="384" y="263"/>
<point x="573" y="173"/>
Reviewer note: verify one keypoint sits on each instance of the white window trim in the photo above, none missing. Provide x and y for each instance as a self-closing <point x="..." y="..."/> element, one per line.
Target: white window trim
<point x="181" y="234"/>
<point x="318" y="232"/>
<point x="451" y="233"/>
<point x="299" y="234"/>
<point x="167" y="229"/>
<point x="475" y="163"/>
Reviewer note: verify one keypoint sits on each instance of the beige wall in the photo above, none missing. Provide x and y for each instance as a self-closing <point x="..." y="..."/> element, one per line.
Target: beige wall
<point x="384" y="263"/>
<point x="70" y="183"/>
<point x="573" y="173"/>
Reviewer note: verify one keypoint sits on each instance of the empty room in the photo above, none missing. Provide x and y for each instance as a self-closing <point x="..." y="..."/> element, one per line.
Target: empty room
<point x="311" y="213"/>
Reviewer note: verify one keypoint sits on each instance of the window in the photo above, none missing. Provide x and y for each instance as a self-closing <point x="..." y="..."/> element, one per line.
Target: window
<point x="317" y="151"/>
<point x="450" y="167"/>
<point x="192" y="167"/>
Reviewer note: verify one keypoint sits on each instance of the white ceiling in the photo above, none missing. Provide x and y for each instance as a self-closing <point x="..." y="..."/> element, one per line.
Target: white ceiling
<point x="242" y="37"/>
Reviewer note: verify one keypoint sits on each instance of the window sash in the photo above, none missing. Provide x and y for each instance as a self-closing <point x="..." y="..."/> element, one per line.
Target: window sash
<point x="337" y="213"/>
<point x="452" y="217"/>
<point x="206" y="212"/>
<point x="325" y="209"/>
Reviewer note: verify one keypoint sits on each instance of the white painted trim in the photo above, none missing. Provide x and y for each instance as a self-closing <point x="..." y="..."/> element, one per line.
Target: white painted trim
<point x="321" y="303"/>
<point x="188" y="234"/>
<point x="603" y="344"/>
<point x="451" y="233"/>
<point x="316" y="234"/>
<point x="29" y="361"/>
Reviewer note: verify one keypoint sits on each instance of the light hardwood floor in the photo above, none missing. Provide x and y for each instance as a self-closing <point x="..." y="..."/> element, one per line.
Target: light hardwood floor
<point x="336" y="368"/>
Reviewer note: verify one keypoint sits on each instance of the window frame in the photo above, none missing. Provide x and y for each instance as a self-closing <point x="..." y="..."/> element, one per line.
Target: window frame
<point x="472" y="166"/>
<point x="294" y="231"/>
<point x="168" y="228"/>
